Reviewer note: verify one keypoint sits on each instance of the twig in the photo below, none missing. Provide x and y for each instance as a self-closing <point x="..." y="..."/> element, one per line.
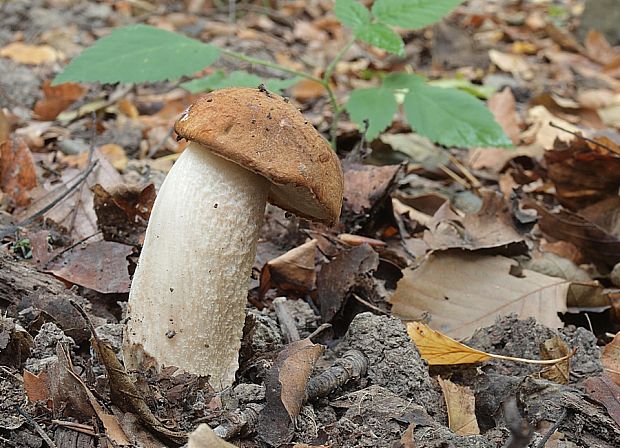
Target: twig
<point x="470" y="177"/>
<point x="71" y="247"/>
<point x="36" y="427"/>
<point x="369" y="305"/>
<point x="352" y="365"/>
<point x="576" y="134"/>
<point x="7" y="441"/>
<point x="78" y="427"/>
<point x="553" y="429"/>
<point x="287" y="323"/>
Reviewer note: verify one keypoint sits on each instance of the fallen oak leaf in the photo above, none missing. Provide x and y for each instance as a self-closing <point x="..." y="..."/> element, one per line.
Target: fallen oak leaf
<point x="439" y="349"/>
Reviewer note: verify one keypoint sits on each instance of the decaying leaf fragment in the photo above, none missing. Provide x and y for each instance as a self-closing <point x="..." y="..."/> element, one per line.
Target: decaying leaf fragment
<point x="552" y="348"/>
<point x="439" y="349"/>
<point x="461" y="405"/>
<point x="285" y="391"/>
<point x="611" y="359"/>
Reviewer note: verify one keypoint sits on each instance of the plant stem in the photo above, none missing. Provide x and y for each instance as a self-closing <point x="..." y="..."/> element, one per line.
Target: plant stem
<point x="273" y="65"/>
<point x="336" y="108"/>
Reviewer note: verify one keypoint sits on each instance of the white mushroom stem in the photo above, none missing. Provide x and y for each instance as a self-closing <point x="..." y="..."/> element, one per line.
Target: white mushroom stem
<point x="188" y="296"/>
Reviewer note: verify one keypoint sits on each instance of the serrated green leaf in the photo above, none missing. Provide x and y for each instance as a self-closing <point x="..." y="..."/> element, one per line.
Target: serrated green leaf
<point x="239" y="78"/>
<point x="381" y="36"/>
<point x="412" y="14"/>
<point x="139" y="53"/>
<point x="352" y="13"/>
<point x="452" y="118"/>
<point x="377" y="105"/>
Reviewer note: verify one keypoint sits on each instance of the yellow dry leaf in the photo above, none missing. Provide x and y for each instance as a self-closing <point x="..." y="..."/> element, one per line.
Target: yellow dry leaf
<point x="439" y="349"/>
<point x="30" y="54"/>
<point x="461" y="405"/>
<point x="204" y="437"/>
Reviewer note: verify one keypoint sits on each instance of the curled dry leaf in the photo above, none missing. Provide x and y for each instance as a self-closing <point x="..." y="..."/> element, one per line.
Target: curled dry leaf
<point x="438" y="349"/>
<point x="491" y="227"/>
<point x="461" y="405"/>
<point x="584" y="172"/>
<point x="123" y="212"/>
<point x="291" y="271"/>
<point x="57" y="99"/>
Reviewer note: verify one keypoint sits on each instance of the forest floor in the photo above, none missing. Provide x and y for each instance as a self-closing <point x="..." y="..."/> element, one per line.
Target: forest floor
<point x="514" y="252"/>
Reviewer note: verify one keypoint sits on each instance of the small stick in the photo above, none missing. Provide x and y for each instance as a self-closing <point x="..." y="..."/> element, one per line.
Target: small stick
<point x="353" y="364"/>
<point x="369" y="305"/>
<point x="36" y="427"/>
<point x="553" y="429"/>
<point x="287" y="323"/>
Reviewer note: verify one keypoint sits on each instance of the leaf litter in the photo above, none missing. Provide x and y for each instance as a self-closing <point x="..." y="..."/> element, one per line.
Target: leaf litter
<point x="512" y="250"/>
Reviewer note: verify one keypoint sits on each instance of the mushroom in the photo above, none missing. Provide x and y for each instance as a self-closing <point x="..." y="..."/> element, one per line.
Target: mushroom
<point x="188" y="296"/>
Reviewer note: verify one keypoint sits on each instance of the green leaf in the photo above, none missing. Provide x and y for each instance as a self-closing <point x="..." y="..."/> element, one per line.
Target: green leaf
<point x="412" y="14"/>
<point x="137" y="54"/>
<point x="352" y="13"/>
<point x="452" y="118"/>
<point x="401" y="80"/>
<point x="377" y="105"/>
<point x="481" y="91"/>
<point x="239" y="78"/>
<point x="381" y="36"/>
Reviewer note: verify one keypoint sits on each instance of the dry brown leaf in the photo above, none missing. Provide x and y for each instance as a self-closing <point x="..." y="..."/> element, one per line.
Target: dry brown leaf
<point x="438" y="349"/>
<point x="515" y="64"/>
<point x="30" y="54"/>
<point x="605" y="391"/>
<point x="461" y="405"/>
<point x="307" y="89"/>
<point x="286" y="386"/>
<point x="57" y="99"/>
<point x="291" y="271"/>
<point x="541" y="132"/>
<point x="463" y="291"/>
<point x="204" y="437"/>
<point x="101" y="266"/>
<point x="611" y="359"/>
<point x="17" y="171"/>
<point x="503" y="107"/>
<point x="36" y="386"/>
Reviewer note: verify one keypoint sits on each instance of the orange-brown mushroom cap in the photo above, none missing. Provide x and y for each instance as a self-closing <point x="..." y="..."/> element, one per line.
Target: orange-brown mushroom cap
<point x="264" y="133"/>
